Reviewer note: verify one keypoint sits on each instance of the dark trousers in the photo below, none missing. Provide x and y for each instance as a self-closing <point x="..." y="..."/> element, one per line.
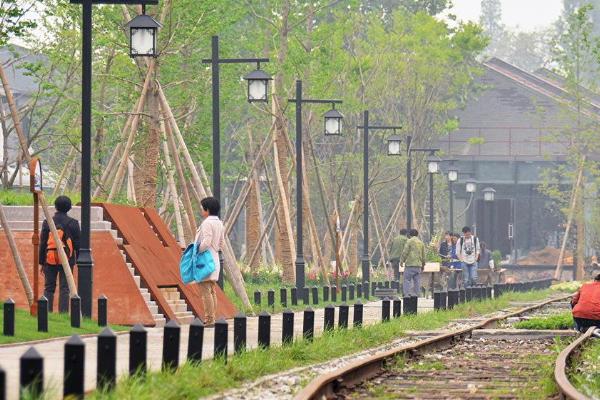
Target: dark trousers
<point x="51" y="274"/>
<point x="582" y="324"/>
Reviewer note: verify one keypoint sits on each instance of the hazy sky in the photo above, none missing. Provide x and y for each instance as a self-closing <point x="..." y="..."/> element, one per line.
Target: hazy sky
<point x="526" y="14"/>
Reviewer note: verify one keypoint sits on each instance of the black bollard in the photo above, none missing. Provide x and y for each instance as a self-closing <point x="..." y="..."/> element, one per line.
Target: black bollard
<point x="195" y="341"/>
<point x="396" y="307"/>
<point x="462" y="296"/>
<point x="42" y="317"/>
<point x="75" y="311"/>
<point x="343" y="317"/>
<point x="106" y="373"/>
<point x="398" y="287"/>
<point x="31" y="374"/>
<point x="386" y="284"/>
<point x="220" y="346"/>
<point x="469" y="293"/>
<point x="333" y="292"/>
<point x="73" y="378"/>
<point x="257" y="297"/>
<point x="344" y="293"/>
<point x="437" y="300"/>
<point x="488" y="292"/>
<point x="380" y="285"/>
<point x="414" y="304"/>
<point x="359" y="290"/>
<point x="328" y="318"/>
<point x="138" y="343"/>
<point x="443" y="300"/>
<point x="239" y="332"/>
<point x="283" y="297"/>
<point x="385" y="309"/>
<point x="171" y="336"/>
<point x="351" y="292"/>
<point x="315" y="295"/>
<point x="306" y="296"/>
<point x="308" y="325"/>
<point x="452" y="298"/>
<point x="406" y="305"/>
<point x="325" y="293"/>
<point x="294" y="295"/>
<point x="497" y="290"/>
<point x="2" y="384"/>
<point x="271" y="299"/>
<point x="373" y="287"/>
<point x="102" y="310"/>
<point x="365" y="290"/>
<point x="358" y="314"/>
<point x="264" y="329"/>
<point x="287" y="328"/>
<point x="9" y="318"/>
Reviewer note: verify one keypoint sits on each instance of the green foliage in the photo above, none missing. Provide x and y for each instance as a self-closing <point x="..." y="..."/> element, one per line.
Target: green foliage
<point x="59" y="325"/>
<point x="558" y="321"/>
<point x="14" y="21"/>
<point x="585" y="374"/>
<point x="25" y="198"/>
<point x="497" y="257"/>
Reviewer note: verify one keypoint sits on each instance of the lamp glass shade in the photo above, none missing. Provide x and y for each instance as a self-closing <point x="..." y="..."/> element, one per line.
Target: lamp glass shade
<point x="394" y="142"/>
<point x="333" y="122"/>
<point x="258" y="86"/>
<point x="489" y="194"/>
<point x="143" y="42"/>
<point x="471" y="186"/>
<point x="452" y="175"/>
<point x="433" y="167"/>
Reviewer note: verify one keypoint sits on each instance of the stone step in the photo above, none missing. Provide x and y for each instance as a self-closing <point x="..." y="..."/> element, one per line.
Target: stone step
<point x="25" y="213"/>
<point x="143" y="290"/>
<point x="159" y="320"/>
<point x="178" y="307"/>
<point x="153" y="309"/>
<point x="146" y="297"/>
<point x="132" y="270"/>
<point x="137" y="280"/>
<point x="186" y="319"/>
<point x="25" y="225"/>
<point x="176" y="302"/>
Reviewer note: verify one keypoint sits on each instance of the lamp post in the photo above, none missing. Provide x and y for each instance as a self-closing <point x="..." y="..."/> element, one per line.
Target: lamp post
<point x="452" y="177"/>
<point x="333" y="126"/>
<point x="489" y="195"/>
<point x="471" y="188"/>
<point x="142" y="35"/>
<point x="393" y="141"/>
<point x="432" y="168"/>
<point x="257" y="92"/>
<point x="397" y="140"/>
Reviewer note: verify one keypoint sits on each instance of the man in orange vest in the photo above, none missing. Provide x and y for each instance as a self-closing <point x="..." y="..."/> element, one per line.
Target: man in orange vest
<point x="586" y="305"/>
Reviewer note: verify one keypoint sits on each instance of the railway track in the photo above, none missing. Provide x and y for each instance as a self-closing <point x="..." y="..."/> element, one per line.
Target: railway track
<point x="456" y="366"/>
<point x="566" y="389"/>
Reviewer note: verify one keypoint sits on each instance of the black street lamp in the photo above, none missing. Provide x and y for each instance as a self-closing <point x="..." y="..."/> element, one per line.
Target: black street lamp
<point x="143" y="33"/>
<point x="452" y="177"/>
<point x="257" y="91"/>
<point x="365" y="259"/>
<point x="85" y="261"/>
<point x="394" y="150"/>
<point x="433" y="167"/>
<point x="333" y="126"/>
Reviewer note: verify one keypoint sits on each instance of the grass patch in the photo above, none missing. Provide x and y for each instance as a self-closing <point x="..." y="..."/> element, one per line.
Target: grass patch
<point x="17" y="197"/>
<point x="558" y="321"/>
<point x="213" y="376"/>
<point x="58" y="325"/>
<point x="585" y="373"/>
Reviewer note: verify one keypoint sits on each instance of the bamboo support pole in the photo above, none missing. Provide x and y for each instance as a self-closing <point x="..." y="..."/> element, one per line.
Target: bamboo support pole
<point x="25" y="151"/>
<point x="63" y="172"/>
<point x="132" y="133"/>
<point x="171" y="181"/>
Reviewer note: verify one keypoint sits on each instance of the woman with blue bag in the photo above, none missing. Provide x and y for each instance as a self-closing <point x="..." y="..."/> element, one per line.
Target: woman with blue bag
<point x="210" y="238"/>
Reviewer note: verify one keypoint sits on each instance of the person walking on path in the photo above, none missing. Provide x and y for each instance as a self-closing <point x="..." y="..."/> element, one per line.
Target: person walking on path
<point x="485" y="257"/>
<point x="396" y="251"/>
<point x="210" y="236"/>
<point x="468" y="252"/>
<point x="413" y="258"/>
<point x="586" y="305"/>
<point x="69" y="231"/>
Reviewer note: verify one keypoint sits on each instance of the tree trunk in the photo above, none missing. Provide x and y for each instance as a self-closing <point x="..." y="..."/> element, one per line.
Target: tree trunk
<point x="147" y="151"/>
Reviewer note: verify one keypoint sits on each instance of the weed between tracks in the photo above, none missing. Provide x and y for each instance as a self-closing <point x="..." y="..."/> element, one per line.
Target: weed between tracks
<point x="209" y="377"/>
<point x="558" y="321"/>
<point x="585" y="371"/>
<point x="58" y="325"/>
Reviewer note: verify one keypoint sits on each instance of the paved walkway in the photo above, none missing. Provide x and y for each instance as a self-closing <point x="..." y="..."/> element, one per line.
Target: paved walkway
<point x="52" y="351"/>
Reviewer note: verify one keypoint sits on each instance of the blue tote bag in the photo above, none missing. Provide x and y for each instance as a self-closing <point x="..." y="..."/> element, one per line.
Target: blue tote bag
<point x="195" y="266"/>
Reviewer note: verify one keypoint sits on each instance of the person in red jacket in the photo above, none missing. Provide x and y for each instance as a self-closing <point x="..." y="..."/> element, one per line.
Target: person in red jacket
<point x="586" y="305"/>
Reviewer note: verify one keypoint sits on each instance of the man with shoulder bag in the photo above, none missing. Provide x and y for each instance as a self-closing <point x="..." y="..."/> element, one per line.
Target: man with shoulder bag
<point x="468" y="251"/>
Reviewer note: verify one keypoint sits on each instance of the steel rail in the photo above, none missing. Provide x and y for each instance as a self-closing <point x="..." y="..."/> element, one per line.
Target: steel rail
<point x="327" y="385"/>
<point x="566" y="389"/>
